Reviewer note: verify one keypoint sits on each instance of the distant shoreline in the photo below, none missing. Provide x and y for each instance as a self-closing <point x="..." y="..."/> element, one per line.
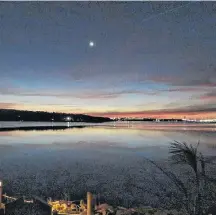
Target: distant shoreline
<point x="42" y="126"/>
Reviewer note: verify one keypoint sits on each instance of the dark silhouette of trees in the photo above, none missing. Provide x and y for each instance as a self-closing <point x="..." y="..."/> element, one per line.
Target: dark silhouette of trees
<point x="41" y="116"/>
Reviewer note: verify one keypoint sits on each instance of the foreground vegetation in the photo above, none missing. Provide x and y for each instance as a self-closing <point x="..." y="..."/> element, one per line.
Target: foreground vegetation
<point x="194" y="190"/>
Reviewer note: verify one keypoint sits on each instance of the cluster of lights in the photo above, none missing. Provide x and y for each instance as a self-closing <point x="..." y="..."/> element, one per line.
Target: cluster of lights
<point x="201" y="120"/>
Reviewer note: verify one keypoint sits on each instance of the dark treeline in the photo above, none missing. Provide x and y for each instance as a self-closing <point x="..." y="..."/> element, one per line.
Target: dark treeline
<point x="42" y="116"/>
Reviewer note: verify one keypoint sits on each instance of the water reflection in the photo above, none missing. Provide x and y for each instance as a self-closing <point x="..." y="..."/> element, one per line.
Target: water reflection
<point x="49" y="161"/>
<point x="111" y="137"/>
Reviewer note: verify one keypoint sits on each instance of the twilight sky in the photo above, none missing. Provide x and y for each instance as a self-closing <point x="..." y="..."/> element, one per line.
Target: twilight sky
<point x="150" y="59"/>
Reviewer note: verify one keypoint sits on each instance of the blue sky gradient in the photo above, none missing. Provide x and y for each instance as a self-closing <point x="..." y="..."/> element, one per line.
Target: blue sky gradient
<point x="150" y="58"/>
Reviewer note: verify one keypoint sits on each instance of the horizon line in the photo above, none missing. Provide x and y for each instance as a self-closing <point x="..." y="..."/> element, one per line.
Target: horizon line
<point x="150" y="114"/>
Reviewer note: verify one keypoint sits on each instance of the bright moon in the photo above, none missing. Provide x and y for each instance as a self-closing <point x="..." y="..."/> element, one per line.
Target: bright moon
<point x="91" y="44"/>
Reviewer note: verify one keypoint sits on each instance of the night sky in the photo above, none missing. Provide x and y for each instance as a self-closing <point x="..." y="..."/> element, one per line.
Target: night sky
<point x="137" y="59"/>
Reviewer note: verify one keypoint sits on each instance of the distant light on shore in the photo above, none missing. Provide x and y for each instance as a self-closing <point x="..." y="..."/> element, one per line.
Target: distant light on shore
<point x="68" y="118"/>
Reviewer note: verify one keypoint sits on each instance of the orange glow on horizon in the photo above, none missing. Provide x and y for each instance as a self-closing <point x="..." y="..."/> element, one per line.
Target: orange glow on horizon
<point x="159" y="115"/>
<point x="174" y="113"/>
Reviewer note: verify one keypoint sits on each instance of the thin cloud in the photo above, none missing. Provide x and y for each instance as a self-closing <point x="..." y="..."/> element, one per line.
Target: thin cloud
<point x="183" y="111"/>
<point x="5" y="105"/>
<point x="79" y="95"/>
<point x="211" y="96"/>
<point x="183" y="89"/>
<point x="203" y="77"/>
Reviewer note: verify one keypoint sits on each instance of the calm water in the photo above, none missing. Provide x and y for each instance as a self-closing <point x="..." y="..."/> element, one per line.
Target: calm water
<point x="96" y="157"/>
<point x="134" y="138"/>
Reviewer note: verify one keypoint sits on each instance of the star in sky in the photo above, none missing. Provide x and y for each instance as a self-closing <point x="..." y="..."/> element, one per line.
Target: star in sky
<point x="91" y="44"/>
